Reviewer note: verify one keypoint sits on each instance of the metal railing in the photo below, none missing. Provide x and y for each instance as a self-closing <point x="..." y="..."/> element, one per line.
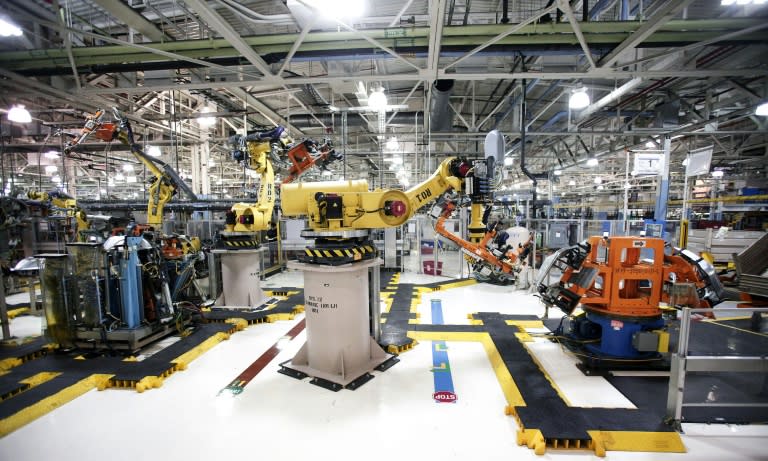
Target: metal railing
<point x="683" y="363"/>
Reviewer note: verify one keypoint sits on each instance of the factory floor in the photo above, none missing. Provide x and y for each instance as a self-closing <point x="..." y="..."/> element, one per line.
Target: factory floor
<point x="394" y="416"/>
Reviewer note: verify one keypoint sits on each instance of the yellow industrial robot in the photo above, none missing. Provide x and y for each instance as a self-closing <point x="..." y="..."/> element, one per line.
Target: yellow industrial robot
<point x="166" y="181"/>
<point x="341" y="213"/>
<point x="59" y="202"/>
<point x="341" y="270"/>
<point x="245" y="220"/>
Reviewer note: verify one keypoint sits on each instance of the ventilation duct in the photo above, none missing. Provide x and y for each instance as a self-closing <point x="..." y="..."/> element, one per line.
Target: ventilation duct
<point x="440" y="115"/>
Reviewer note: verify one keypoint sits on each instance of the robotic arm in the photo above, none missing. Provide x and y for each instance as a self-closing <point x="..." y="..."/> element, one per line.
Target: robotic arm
<point x="340" y="206"/>
<point x="307" y="154"/>
<point x="344" y="211"/>
<point x="166" y="181"/>
<point x="246" y="219"/>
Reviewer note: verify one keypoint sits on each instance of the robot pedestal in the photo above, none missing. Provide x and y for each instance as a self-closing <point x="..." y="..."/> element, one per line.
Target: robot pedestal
<point x="241" y="278"/>
<point x="342" y="313"/>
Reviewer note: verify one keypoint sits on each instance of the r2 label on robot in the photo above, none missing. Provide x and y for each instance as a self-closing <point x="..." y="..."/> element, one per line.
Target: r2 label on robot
<point x="316" y="303"/>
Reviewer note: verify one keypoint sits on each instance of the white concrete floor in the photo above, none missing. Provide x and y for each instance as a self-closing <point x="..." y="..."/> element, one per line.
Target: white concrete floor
<point x="391" y="417"/>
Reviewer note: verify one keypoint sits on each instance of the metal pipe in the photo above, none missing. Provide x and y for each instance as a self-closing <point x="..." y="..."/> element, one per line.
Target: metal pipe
<point x="504" y="11"/>
<point x="440" y="118"/>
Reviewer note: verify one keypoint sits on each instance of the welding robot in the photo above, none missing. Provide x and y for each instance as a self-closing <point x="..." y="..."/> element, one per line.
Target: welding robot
<point x="496" y="263"/>
<point x="341" y="268"/>
<point x="620" y="284"/>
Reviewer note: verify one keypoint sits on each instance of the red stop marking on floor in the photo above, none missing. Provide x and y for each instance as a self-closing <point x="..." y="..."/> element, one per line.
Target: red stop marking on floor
<point x="444" y="397"/>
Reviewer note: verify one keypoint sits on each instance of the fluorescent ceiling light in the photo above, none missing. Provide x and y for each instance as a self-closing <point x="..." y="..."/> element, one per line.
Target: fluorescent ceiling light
<point x="9" y="30"/>
<point x="571" y="182"/>
<point x="153" y="151"/>
<point x="592" y="161"/>
<point x="579" y="99"/>
<point x="127" y="167"/>
<point x="206" y="122"/>
<point x="762" y="109"/>
<point x="717" y="174"/>
<point x="19" y="114"/>
<point x="392" y="144"/>
<point x="119" y="177"/>
<point x="598" y="180"/>
<point x="52" y="154"/>
<point x="558" y="172"/>
<point x="377" y="100"/>
<point x="508" y="161"/>
<point x="338" y="9"/>
<point x="600" y="187"/>
<point x="50" y="169"/>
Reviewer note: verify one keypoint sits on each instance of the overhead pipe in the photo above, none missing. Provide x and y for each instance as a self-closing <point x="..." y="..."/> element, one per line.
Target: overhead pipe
<point x="504" y="11"/>
<point x="523" y="167"/>
<point x="513" y="104"/>
<point x="440" y="116"/>
<point x="624" y="11"/>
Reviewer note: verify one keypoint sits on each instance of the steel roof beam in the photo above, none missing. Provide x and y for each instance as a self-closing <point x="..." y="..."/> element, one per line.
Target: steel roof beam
<point x="511" y="30"/>
<point x="566" y="7"/>
<point x="132" y="19"/>
<point x="662" y="16"/>
<point x="225" y="29"/>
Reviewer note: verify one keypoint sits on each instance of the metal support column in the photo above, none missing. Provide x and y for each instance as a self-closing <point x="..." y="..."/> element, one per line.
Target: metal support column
<point x="662" y="191"/>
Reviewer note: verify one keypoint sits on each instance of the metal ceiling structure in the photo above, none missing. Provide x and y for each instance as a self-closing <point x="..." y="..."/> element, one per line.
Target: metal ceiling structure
<point x="693" y="71"/>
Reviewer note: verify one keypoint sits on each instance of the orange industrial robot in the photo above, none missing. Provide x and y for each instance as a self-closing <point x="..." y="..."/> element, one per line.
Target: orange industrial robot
<point x="620" y="284"/>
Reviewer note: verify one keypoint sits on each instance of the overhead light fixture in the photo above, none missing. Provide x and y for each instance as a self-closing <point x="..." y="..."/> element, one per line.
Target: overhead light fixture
<point x="326" y="173"/>
<point x="598" y="180"/>
<point x="600" y="187"/>
<point x="8" y="29"/>
<point x="508" y="161"/>
<point x="127" y="167"/>
<point x="592" y="161"/>
<point x="579" y="99"/>
<point x="717" y="174"/>
<point x="52" y="154"/>
<point x="762" y="109"/>
<point x="571" y="182"/>
<point x="50" y="169"/>
<point x="153" y="151"/>
<point x="119" y="177"/>
<point x="206" y="122"/>
<point x="392" y="144"/>
<point x="377" y="100"/>
<point x="211" y="162"/>
<point x="650" y="144"/>
<point x="338" y="9"/>
<point x="19" y="114"/>
<point x="558" y="172"/>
